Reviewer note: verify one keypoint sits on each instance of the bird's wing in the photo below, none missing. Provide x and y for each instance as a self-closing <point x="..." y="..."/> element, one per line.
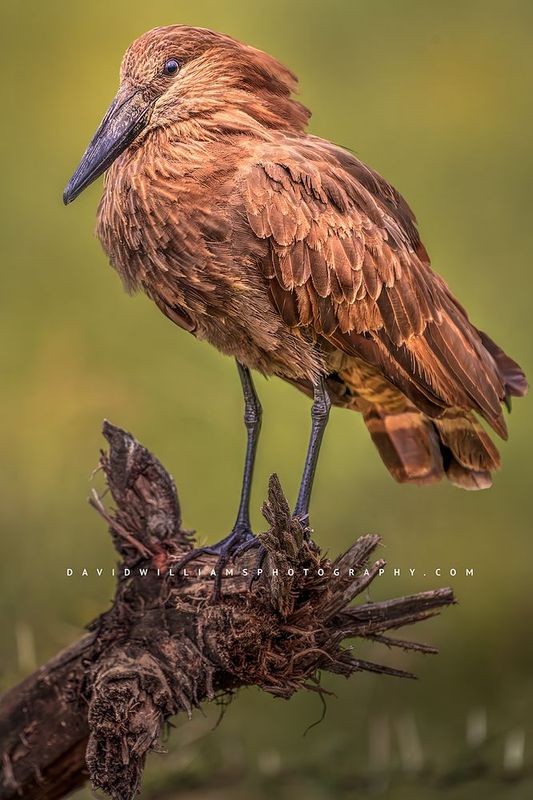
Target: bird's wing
<point x="345" y="261"/>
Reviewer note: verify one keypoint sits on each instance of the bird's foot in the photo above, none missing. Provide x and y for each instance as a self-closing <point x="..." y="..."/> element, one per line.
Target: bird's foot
<point x="237" y="542"/>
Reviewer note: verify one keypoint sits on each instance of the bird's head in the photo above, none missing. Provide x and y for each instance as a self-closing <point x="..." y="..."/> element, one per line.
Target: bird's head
<point x="203" y="84"/>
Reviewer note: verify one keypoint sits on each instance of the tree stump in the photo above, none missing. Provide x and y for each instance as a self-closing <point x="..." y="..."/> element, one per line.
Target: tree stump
<point x="168" y="643"/>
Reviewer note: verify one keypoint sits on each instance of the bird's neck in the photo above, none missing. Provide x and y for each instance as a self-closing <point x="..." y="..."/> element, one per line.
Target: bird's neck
<point x="216" y="128"/>
<point x="159" y="191"/>
<point x="260" y="115"/>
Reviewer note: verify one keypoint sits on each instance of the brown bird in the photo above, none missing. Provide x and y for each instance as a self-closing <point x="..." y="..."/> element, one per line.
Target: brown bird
<point x="289" y="254"/>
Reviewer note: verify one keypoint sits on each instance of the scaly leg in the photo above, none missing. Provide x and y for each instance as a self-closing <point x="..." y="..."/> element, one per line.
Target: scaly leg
<point x="252" y="421"/>
<point x="319" y="416"/>
<point x="241" y="536"/>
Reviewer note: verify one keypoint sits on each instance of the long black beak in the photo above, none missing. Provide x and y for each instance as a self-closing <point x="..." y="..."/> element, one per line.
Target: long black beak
<point x="126" y="117"/>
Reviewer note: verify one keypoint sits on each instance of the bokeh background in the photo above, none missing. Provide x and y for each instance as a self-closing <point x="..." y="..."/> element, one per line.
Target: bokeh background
<point x="435" y="96"/>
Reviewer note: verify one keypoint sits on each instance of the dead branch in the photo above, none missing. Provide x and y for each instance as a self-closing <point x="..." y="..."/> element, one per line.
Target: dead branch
<point x="166" y="645"/>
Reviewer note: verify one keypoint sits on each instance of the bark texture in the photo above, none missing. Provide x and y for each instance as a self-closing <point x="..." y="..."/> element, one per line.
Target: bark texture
<point x="167" y="643"/>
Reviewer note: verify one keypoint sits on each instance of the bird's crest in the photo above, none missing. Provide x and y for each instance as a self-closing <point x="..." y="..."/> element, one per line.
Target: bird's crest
<point x="219" y="70"/>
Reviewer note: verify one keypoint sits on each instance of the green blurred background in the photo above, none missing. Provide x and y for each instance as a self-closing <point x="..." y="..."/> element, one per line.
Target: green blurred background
<point x="435" y="96"/>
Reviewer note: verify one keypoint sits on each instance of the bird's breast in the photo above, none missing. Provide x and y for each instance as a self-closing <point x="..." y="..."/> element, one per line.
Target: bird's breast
<point x="170" y="228"/>
<point x="166" y="227"/>
<point x="156" y="222"/>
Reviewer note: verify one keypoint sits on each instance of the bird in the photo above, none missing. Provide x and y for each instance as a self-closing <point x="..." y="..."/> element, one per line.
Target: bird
<point x="289" y="254"/>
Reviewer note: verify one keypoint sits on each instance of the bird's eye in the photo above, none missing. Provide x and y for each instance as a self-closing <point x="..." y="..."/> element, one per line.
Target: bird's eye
<point x="171" y="68"/>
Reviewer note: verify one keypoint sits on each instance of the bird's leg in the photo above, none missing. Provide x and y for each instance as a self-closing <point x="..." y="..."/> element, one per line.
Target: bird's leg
<point x="319" y="417"/>
<point x="241" y="536"/>
<point x="252" y="421"/>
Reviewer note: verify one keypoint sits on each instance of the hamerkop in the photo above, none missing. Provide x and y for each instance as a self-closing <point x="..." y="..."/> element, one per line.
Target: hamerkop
<point x="291" y="255"/>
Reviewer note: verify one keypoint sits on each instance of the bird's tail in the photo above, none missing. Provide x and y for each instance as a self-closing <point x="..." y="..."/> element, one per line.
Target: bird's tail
<point x="511" y="373"/>
<point x="417" y="449"/>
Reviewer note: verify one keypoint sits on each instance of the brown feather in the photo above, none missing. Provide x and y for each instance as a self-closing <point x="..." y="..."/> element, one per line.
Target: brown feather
<point x="466" y="439"/>
<point x="408" y="445"/>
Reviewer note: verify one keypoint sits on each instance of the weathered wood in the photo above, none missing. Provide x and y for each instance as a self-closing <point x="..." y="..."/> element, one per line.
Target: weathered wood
<point x="167" y="644"/>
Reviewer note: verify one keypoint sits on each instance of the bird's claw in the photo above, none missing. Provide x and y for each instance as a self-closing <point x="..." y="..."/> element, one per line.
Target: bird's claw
<point x="237" y="542"/>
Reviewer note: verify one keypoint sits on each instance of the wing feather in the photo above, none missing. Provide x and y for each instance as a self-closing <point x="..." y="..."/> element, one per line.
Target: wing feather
<point x="345" y="261"/>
